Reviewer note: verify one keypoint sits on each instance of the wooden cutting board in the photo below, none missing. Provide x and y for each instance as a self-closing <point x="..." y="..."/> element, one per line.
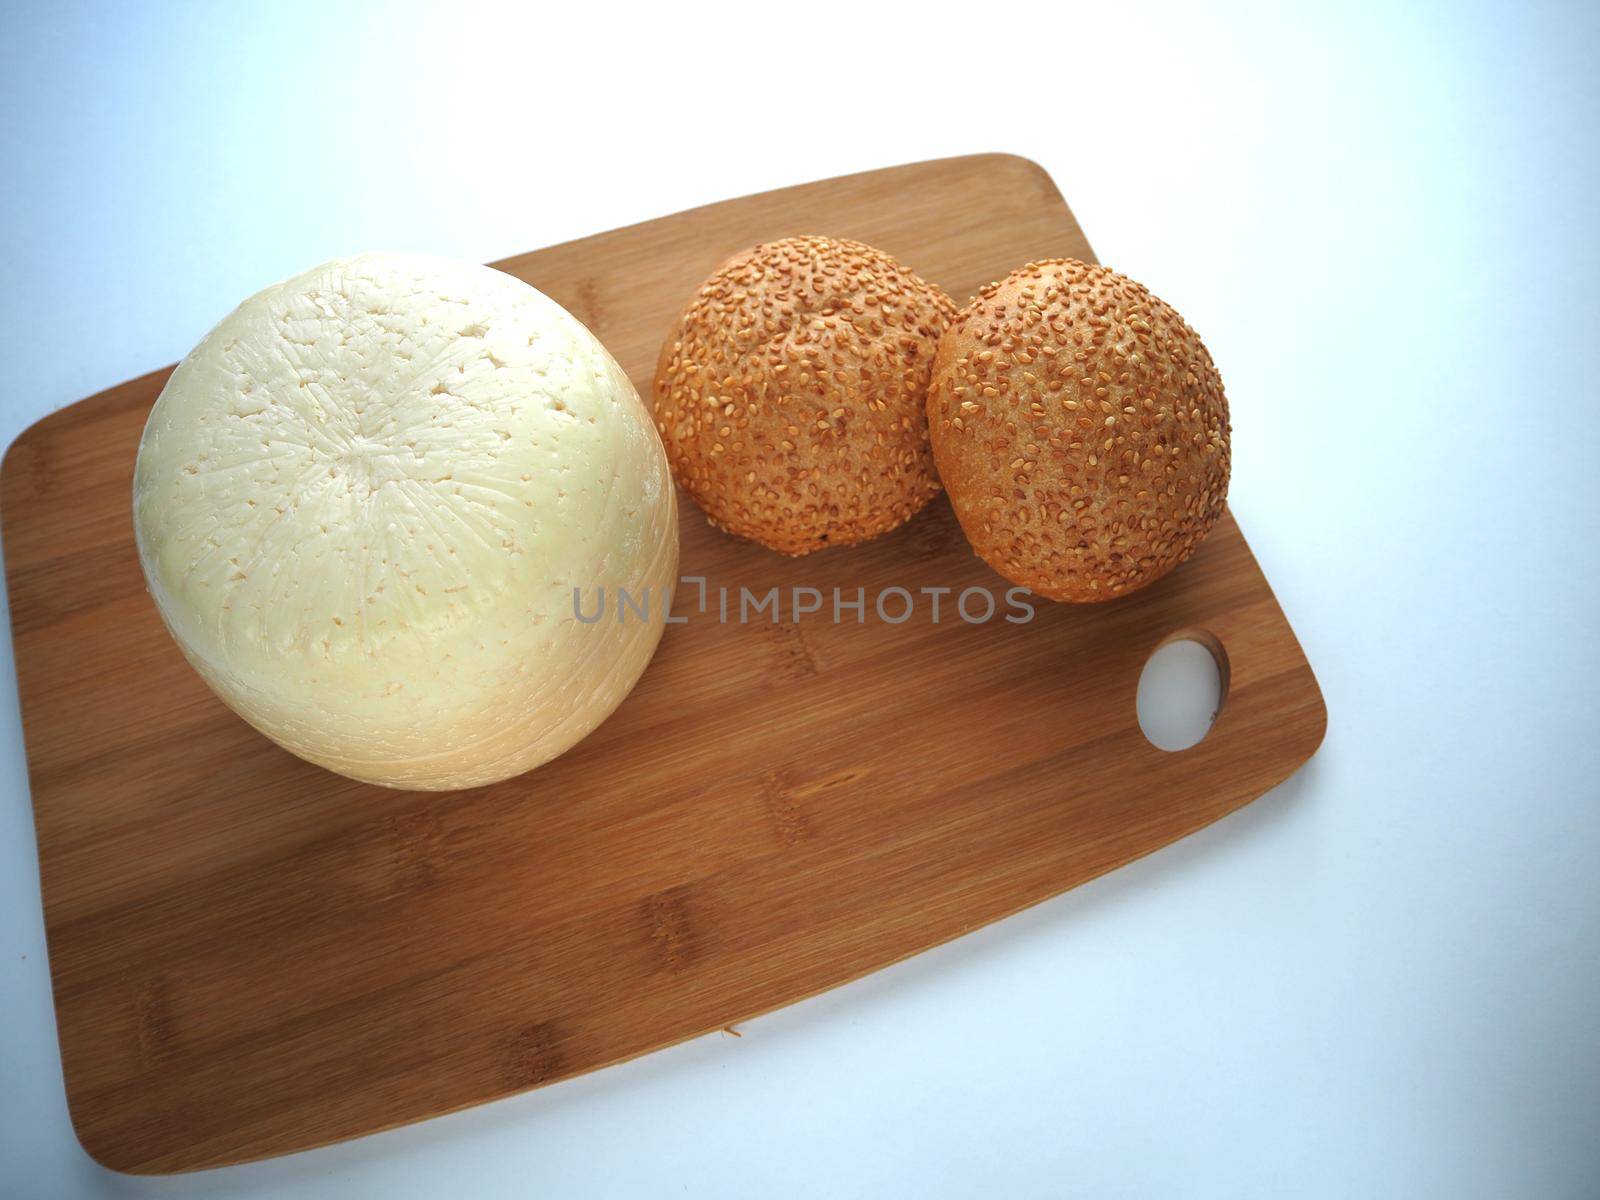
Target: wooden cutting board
<point x="252" y="956"/>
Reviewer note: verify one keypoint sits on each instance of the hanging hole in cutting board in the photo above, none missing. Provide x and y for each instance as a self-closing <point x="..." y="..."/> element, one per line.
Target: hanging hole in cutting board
<point x="1181" y="690"/>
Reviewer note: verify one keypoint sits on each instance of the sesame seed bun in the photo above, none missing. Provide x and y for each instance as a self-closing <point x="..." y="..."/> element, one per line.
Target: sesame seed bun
<point x="1081" y="431"/>
<point x="791" y="396"/>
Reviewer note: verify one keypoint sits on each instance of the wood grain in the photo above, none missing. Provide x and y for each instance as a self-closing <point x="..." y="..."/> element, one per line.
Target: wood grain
<point x="252" y="956"/>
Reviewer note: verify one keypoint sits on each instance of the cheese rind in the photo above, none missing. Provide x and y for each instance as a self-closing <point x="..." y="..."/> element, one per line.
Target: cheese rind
<point x="363" y="504"/>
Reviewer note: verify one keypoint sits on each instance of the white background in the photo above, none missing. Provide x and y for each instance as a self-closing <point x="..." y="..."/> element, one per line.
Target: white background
<point x="1380" y="980"/>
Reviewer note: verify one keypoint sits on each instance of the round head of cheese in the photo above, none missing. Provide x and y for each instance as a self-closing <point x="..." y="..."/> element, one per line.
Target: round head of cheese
<point x="363" y="504"/>
<point x="1081" y="431"/>
<point x="791" y="395"/>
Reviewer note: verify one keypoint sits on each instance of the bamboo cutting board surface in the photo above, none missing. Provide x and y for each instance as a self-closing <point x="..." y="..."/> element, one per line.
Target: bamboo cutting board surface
<point x="252" y="956"/>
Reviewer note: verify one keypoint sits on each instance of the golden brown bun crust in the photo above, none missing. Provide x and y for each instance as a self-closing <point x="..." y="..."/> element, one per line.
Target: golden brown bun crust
<point x="792" y="394"/>
<point x="1081" y="430"/>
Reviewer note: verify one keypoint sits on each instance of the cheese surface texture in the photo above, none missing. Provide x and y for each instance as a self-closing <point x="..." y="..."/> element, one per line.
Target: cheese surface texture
<point x="363" y="504"/>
